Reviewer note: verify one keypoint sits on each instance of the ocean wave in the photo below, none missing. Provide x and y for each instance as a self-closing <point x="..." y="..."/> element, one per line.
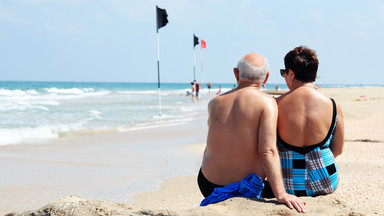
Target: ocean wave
<point x="94" y="114"/>
<point x="50" y="94"/>
<point x="9" y="136"/>
<point x="30" y="134"/>
<point x="68" y="96"/>
<point x="22" y="106"/>
<point x="17" y="92"/>
<point x="149" y="92"/>
<point x="69" y="90"/>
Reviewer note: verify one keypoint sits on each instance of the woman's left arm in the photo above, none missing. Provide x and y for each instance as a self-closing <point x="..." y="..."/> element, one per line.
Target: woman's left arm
<point x="337" y="142"/>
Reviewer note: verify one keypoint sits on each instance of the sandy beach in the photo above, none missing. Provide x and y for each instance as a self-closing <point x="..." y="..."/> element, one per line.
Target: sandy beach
<point x="153" y="171"/>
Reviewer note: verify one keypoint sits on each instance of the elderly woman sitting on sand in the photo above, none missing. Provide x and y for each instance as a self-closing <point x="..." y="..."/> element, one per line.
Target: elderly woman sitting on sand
<point x="310" y="131"/>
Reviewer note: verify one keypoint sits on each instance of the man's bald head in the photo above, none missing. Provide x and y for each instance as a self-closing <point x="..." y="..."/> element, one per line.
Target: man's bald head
<point x="254" y="59"/>
<point x="253" y="67"/>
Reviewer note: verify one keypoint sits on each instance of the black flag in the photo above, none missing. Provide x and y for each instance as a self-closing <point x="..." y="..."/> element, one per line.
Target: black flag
<point x="195" y="41"/>
<point x="161" y="17"/>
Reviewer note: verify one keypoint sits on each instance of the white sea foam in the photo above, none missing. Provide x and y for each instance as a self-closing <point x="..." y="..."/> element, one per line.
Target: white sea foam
<point x="17" y="92"/>
<point x="149" y="92"/>
<point x="9" y="136"/>
<point x="25" y="134"/>
<point x="32" y="92"/>
<point x="21" y="106"/>
<point x="94" y="114"/>
<point x="27" y="98"/>
<point x="8" y="92"/>
<point x="68" y="91"/>
<point x="74" y="93"/>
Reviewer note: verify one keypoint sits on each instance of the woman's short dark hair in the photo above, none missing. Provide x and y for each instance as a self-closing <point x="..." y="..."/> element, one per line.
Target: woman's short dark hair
<point x="303" y="62"/>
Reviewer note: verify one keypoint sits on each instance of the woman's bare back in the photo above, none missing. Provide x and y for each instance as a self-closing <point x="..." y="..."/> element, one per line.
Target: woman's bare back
<point x="305" y="117"/>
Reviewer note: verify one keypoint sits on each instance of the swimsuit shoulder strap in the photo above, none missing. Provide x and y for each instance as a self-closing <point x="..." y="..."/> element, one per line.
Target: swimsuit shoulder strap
<point x="334" y="117"/>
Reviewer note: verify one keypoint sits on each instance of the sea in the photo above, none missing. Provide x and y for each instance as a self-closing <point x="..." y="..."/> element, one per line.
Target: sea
<point x="45" y="110"/>
<point x="41" y="110"/>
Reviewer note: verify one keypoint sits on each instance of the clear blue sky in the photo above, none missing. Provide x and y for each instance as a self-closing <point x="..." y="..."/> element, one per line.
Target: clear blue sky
<point x="115" y="40"/>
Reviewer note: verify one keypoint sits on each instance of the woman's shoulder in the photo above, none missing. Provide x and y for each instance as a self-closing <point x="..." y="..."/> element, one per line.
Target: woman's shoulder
<point x="303" y="95"/>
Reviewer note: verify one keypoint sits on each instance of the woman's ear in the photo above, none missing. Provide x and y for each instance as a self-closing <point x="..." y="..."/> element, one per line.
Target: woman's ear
<point x="291" y="74"/>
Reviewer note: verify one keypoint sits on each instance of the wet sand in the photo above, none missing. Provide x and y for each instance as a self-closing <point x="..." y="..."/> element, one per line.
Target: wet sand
<point x="112" y="166"/>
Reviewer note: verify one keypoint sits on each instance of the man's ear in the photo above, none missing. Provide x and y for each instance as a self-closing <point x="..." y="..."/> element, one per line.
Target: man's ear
<point x="237" y="74"/>
<point x="266" y="78"/>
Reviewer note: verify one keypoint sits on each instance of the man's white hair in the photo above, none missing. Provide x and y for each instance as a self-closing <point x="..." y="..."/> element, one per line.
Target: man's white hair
<point x="251" y="72"/>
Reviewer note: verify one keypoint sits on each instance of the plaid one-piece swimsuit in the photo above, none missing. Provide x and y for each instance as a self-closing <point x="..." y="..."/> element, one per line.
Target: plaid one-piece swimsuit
<point x="310" y="170"/>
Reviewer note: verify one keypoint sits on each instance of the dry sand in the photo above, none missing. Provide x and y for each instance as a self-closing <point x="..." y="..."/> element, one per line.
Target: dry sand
<point x="360" y="191"/>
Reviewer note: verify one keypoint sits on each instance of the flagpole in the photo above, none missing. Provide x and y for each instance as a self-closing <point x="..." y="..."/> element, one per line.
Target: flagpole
<point x="161" y="21"/>
<point x="158" y="72"/>
<point x="194" y="63"/>
<point x="202" y="79"/>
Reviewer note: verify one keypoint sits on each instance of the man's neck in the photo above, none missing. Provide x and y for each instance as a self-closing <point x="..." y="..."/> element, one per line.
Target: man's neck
<point x="248" y="83"/>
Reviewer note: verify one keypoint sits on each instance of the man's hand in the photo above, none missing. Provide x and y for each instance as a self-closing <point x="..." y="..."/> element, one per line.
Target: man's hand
<point x="292" y="202"/>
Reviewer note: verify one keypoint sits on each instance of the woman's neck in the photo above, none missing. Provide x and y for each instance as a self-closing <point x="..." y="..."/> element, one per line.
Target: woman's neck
<point x="298" y="84"/>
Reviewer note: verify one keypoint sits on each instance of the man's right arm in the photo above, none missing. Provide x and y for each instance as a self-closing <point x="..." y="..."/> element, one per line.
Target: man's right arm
<point x="269" y="157"/>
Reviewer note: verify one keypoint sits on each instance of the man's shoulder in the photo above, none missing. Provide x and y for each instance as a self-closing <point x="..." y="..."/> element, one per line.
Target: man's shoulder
<point x="214" y="101"/>
<point x="223" y="99"/>
<point x="268" y="101"/>
<point x="258" y="100"/>
<point x="257" y="95"/>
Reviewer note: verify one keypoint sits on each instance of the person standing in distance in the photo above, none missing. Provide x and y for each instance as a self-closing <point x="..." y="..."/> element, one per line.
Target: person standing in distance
<point x="197" y="88"/>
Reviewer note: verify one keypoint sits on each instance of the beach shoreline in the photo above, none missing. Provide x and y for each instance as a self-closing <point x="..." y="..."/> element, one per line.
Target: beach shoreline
<point x="112" y="166"/>
<point x="178" y="193"/>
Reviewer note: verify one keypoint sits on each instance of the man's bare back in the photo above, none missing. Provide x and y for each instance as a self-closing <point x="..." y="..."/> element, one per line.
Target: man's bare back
<point x="232" y="144"/>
